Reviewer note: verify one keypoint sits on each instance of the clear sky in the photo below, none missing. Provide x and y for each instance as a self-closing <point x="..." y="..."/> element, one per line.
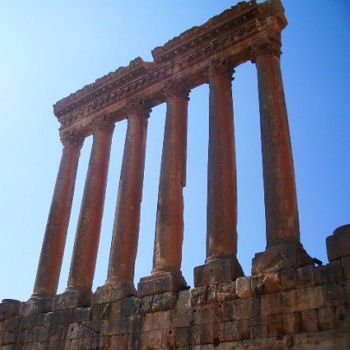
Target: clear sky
<point x="50" y="49"/>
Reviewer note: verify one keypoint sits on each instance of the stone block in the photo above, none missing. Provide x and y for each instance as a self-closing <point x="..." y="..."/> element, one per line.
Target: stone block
<point x="342" y="316"/>
<point x="113" y="292"/>
<point x="8" y="338"/>
<point x="334" y="294"/>
<point x="309" y="321"/>
<point x="204" y="314"/>
<point x="243" y="287"/>
<point x="217" y="271"/>
<point x="183" y="337"/>
<point x="164" y="301"/>
<point x="305" y="276"/>
<point x="151" y="340"/>
<point x="71" y="299"/>
<point x="211" y="295"/>
<point x="308" y="298"/>
<point x="257" y="284"/>
<point x="257" y="328"/>
<point x="326" y="318"/>
<point x="226" y="291"/>
<point x="291" y="322"/>
<point x="119" y="342"/>
<point x="161" y="282"/>
<point x="182" y="316"/>
<point x="272" y="282"/>
<point x="12" y="324"/>
<point x="273" y="303"/>
<point x="275" y="325"/>
<point x="9" y="308"/>
<point x="330" y="273"/>
<point x="288" y="279"/>
<point x="243" y="309"/>
<point x="146" y="304"/>
<point x="157" y="321"/>
<point x="346" y="267"/>
<point x="199" y="296"/>
<point x="36" y="306"/>
<point x="338" y="244"/>
<point x="82" y="314"/>
<point x="225" y="311"/>
<point x="281" y="257"/>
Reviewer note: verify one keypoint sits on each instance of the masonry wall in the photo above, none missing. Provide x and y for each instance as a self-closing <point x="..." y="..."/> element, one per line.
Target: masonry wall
<point x="304" y="308"/>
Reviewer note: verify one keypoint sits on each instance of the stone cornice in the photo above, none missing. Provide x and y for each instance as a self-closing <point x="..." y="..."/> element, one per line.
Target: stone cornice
<point x="230" y="35"/>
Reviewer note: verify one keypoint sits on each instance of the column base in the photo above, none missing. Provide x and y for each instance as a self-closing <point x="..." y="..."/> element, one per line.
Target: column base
<point x="217" y="271"/>
<point x="72" y="298"/>
<point x="111" y="292"/>
<point x="37" y="304"/>
<point x="280" y="257"/>
<point x="161" y="282"/>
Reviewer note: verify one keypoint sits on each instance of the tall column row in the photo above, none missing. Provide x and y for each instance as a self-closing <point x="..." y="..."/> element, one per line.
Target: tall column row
<point x="284" y="249"/>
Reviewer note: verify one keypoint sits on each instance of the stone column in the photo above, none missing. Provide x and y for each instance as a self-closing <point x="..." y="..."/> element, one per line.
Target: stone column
<point x="284" y="249"/>
<point x="91" y="212"/>
<point x="221" y="263"/>
<point x="52" y="251"/>
<point x="120" y="280"/>
<point x="166" y="274"/>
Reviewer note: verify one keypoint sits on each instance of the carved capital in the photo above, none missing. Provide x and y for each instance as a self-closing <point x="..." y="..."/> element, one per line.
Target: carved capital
<point x="103" y="124"/>
<point x="176" y="88"/>
<point x="265" y="47"/>
<point x="71" y="138"/>
<point x="220" y="66"/>
<point x="138" y="106"/>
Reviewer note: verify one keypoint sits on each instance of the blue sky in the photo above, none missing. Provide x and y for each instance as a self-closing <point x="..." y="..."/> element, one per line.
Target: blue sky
<point x="51" y="49"/>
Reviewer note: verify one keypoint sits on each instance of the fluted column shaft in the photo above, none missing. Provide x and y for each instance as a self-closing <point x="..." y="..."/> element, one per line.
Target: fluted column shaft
<point x="89" y="224"/>
<point x="169" y="223"/>
<point x="50" y="263"/>
<point x="281" y="209"/>
<point x="127" y="216"/>
<point x="222" y="187"/>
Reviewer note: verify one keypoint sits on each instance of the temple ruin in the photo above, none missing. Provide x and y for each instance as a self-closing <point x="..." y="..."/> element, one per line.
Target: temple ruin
<point x="287" y="303"/>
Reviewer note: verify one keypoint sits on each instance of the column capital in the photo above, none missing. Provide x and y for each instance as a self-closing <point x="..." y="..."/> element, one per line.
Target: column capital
<point x="176" y="87"/>
<point x="72" y="138"/>
<point x="138" y="106"/>
<point x="103" y="124"/>
<point x="221" y="67"/>
<point x="265" y="47"/>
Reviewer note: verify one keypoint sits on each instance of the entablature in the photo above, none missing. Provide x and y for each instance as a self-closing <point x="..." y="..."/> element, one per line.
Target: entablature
<point x="230" y="36"/>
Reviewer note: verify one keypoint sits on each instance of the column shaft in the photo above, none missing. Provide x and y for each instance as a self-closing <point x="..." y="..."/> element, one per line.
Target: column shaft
<point x="166" y="274"/>
<point x="221" y="262"/>
<point x="222" y="187"/>
<point x="89" y="224"/>
<point x="284" y="249"/>
<point x="282" y="221"/>
<point x="50" y="263"/>
<point x="127" y="217"/>
<point x="169" y="223"/>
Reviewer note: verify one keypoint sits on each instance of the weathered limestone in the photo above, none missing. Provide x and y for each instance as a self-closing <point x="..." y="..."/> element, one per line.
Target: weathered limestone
<point x="50" y="264"/>
<point x="221" y="262"/>
<point x="166" y="275"/>
<point x="284" y="249"/>
<point x="272" y="311"/>
<point x="287" y="302"/>
<point x="338" y="245"/>
<point x="89" y="225"/>
<point x="120" y="280"/>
